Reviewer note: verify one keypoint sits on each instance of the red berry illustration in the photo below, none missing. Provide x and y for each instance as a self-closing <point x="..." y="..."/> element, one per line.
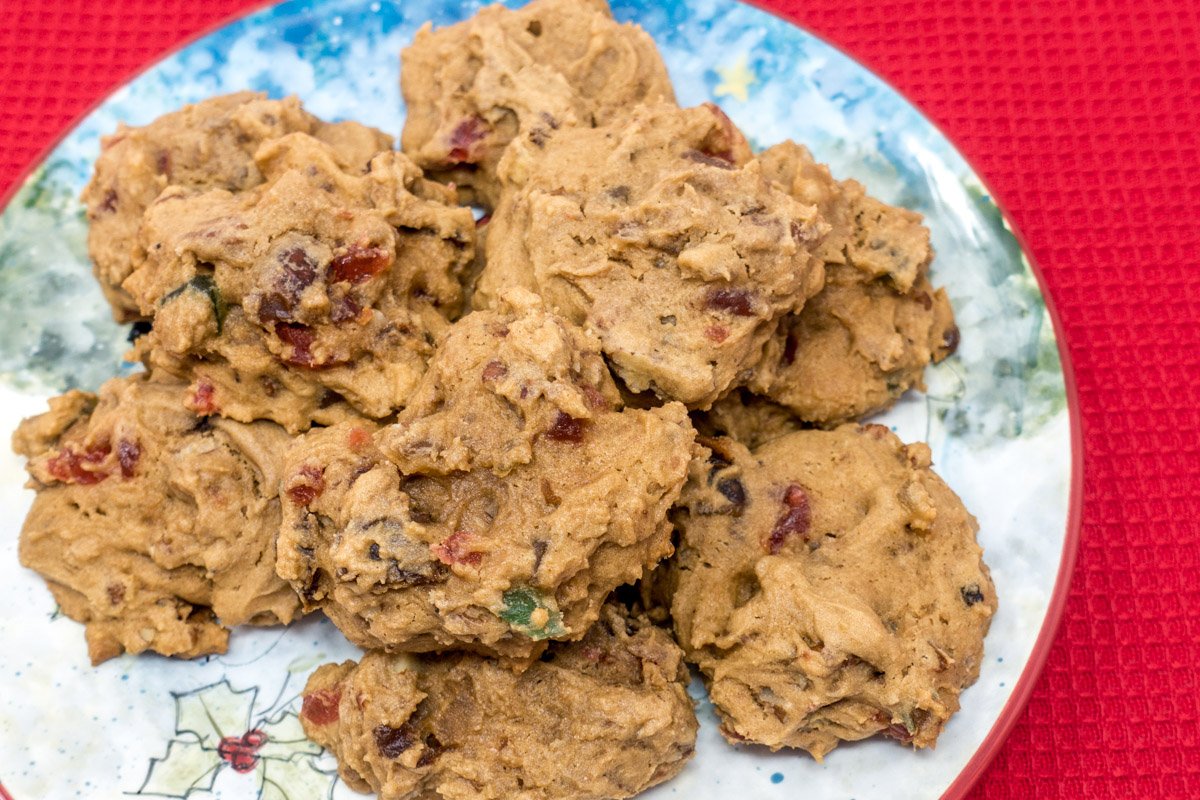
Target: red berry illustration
<point x="242" y="752"/>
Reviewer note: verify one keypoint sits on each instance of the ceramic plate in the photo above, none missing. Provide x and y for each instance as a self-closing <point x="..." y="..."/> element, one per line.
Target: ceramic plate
<point x="996" y="415"/>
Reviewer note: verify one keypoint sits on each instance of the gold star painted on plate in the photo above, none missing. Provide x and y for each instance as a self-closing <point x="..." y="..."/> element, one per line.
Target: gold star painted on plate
<point x="736" y="80"/>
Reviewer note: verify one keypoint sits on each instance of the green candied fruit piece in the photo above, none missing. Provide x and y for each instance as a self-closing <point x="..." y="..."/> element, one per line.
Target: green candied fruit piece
<point x="203" y="283"/>
<point x="528" y="612"/>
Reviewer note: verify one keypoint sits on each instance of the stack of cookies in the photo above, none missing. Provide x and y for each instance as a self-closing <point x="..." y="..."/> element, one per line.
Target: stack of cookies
<point x="536" y="458"/>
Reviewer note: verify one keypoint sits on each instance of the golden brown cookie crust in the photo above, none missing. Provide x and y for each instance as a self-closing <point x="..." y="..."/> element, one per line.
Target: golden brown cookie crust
<point x="208" y="145"/>
<point x="471" y="88"/>
<point x="856" y="347"/>
<point x="830" y="588"/>
<point x="660" y="234"/>
<point x="605" y="717"/>
<point x="152" y="527"/>
<point x="499" y="510"/>
<point x="319" y="292"/>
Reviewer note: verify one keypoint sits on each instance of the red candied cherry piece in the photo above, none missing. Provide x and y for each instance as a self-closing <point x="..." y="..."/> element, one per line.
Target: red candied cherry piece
<point x="203" y="398"/>
<point x="795" y="520"/>
<point x="455" y="549"/>
<point x="739" y="302"/>
<point x="306" y="485"/>
<point x="300" y="338"/>
<point x="465" y="138"/>
<point x="566" y="428"/>
<point x="69" y="466"/>
<point x="321" y="707"/>
<point x="359" y="264"/>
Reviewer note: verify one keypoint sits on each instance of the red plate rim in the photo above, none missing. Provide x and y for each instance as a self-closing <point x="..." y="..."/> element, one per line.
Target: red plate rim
<point x="1015" y="706"/>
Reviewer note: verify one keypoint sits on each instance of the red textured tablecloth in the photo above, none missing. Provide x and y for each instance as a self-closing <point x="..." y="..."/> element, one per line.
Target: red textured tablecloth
<point x="1083" y="117"/>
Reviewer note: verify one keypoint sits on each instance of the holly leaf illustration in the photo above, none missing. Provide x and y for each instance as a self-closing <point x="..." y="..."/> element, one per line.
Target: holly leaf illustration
<point x="285" y="738"/>
<point x="301" y="778"/>
<point x="187" y="767"/>
<point x="214" y="712"/>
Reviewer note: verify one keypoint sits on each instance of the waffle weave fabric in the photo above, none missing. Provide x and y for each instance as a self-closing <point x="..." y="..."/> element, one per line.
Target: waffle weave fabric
<point x="1083" y="116"/>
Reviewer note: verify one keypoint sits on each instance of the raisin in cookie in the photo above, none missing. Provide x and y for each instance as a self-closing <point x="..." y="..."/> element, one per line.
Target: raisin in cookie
<point x="830" y="588"/>
<point x="868" y="336"/>
<point x="660" y="234"/>
<point x="318" y="292"/>
<point x="471" y="88"/>
<point x="209" y="145"/>
<point x="605" y="717"/>
<point x="153" y="527"/>
<point x="509" y="498"/>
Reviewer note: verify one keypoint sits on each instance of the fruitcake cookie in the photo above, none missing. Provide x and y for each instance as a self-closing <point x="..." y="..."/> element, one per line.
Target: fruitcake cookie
<point x="209" y="145"/>
<point x="660" y="234"/>
<point x="471" y="88"/>
<point x="829" y="586"/>
<point x="868" y="336"/>
<point x="509" y="498"/>
<point x="153" y="527"/>
<point x="605" y="717"/>
<point x="318" y="291"/>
